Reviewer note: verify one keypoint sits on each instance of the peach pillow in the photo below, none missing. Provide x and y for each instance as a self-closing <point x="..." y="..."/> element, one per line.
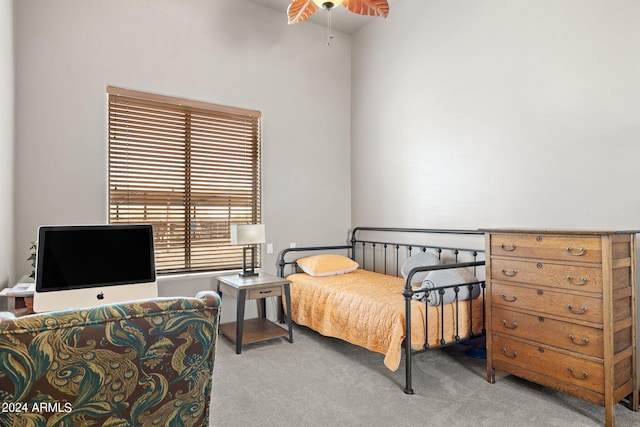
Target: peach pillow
<point x="327" y="265"/>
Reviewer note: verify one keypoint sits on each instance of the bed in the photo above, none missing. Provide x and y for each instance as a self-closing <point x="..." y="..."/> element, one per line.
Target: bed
<point x="390" y="296"/>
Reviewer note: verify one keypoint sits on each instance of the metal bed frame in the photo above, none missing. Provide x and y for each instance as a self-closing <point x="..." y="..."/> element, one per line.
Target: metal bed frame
<point x="368" y="250"/>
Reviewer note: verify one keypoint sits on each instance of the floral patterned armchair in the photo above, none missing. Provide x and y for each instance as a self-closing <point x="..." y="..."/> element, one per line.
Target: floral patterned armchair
<point x="147" y="363"/>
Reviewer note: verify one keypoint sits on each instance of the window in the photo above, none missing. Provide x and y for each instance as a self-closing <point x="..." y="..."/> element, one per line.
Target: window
<point x="190" y="169"/>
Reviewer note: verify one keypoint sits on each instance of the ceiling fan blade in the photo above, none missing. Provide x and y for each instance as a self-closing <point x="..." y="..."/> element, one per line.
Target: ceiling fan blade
<point x="299" y="10"/>
<point x="368" y="7"/>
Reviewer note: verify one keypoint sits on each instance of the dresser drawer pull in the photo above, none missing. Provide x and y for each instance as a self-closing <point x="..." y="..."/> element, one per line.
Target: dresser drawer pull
<point x="504" y="297"/>
<point x="580" y="251"/>
<point x="508" y="273"/>
<point x="512" y="326"/>
<point x="508" y="249"/>
<point x="578" y="377"/>
<point x="582" y="282"/>
<point x="583" y="310"/>
<point x="266" y="292"/>
<point x="584" y="342"/>
<point x="511" y="356"/>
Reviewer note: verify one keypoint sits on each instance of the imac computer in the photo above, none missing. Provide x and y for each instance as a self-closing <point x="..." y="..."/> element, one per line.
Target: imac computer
<point x="88" y="265"/>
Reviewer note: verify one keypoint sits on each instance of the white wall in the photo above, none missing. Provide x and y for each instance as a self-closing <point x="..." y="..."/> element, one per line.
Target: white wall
<point x="7" y="271"/>
<point x="230" y="52"/>
<point x="470" y="113"/>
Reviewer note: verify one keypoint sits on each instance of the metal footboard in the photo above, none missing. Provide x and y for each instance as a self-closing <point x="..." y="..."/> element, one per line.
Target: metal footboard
<point x="408" y="293"/>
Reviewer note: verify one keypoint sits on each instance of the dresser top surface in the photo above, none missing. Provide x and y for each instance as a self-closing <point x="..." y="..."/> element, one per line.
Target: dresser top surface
<point x="576" y="232"/>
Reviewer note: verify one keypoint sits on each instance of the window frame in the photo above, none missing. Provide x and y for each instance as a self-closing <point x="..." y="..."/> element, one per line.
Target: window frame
<point x="220" y="150"/>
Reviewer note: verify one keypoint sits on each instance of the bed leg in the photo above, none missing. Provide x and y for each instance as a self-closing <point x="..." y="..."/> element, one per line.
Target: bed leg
<point x="408" y="389"/>
<point x="407" y="342"/>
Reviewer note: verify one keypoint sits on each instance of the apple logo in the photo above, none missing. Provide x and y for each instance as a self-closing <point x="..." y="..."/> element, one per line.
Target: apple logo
<point x="100" y="296"/>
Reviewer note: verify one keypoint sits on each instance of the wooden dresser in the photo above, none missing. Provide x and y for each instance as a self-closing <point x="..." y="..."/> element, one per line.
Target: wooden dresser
<point x="562" y="312"/>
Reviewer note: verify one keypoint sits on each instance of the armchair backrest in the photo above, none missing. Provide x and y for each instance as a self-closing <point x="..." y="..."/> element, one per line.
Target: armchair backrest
<point x="139" y="363"/>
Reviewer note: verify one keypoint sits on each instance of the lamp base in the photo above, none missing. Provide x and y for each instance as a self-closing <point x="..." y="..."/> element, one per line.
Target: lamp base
<point x="248" y="270"/>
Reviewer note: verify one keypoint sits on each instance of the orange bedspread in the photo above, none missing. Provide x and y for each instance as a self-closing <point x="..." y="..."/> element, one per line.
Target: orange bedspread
<point x="367" y="309"/>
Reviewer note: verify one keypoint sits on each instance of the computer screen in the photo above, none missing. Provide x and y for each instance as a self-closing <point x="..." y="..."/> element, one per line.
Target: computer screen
<point x="88" y="265"/>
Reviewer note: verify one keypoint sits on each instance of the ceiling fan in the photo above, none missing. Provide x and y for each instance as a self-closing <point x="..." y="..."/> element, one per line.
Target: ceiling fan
<point x="299" y="10"/>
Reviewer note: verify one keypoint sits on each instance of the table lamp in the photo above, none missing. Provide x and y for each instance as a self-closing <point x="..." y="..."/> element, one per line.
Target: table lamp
<point x="249" y="235"/>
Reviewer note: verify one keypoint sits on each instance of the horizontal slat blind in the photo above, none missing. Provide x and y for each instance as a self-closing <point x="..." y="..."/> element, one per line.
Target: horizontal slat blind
<point x="188" y="168"/>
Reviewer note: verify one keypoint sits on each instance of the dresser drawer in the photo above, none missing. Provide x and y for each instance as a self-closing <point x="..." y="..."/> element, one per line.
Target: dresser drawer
<point x="570" y="306"/>
<point x="542" y="246"/>
<point x="570" y="336"/>
<point x="564" y="276"/>
<point x="271" y="291"/>
<point x="543" y="360"/>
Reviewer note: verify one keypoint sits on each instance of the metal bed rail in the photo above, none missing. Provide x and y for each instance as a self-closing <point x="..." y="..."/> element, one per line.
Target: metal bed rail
<point x="282" y="262"/>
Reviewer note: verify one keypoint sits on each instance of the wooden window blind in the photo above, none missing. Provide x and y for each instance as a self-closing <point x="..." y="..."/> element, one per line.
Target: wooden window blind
<point x="190" y="169"/>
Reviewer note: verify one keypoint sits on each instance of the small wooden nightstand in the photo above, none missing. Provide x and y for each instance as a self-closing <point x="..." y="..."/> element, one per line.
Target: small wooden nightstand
<point x="258" y="288"/>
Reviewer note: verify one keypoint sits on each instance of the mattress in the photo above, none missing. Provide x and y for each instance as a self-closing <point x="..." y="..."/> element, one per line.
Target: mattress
<point x="367" y="309"/>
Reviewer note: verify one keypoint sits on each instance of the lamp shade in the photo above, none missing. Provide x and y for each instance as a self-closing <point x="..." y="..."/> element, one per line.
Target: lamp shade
<point x="247" y="234"/>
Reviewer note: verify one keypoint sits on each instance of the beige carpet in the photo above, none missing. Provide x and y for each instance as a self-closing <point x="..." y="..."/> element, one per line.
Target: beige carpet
<point x="320" y="381"/>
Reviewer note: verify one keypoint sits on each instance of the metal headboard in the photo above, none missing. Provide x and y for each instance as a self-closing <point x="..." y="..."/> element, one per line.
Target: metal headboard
<point x="361" y="247"/>
<point x="386" y="256"/>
